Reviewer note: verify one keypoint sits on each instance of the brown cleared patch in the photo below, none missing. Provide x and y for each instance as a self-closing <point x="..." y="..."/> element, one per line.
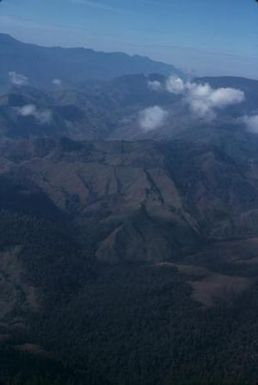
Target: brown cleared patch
<point x="33" y="349"/>
<point x="208" y="287"/>
<point x="218" y="287"/>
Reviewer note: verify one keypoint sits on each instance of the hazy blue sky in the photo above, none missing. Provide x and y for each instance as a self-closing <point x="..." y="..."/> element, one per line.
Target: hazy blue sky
<point x="204" y="36"/>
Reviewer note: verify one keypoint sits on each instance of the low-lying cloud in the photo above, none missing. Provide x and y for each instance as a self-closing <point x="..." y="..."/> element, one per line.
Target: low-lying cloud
<point x="18" y="79"/>
<point x="175" y="85"/>
<point x="155" y="85"/>
<point x="57" y="82"/>
<point x="152" y="118"/>
<point x="251" y="123"/>
<point x="202" y="99"/>
<point x="42" y="116"/>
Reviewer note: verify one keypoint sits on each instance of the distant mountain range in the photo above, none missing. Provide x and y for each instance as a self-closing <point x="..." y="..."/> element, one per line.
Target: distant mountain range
<point x="43" y="65"/>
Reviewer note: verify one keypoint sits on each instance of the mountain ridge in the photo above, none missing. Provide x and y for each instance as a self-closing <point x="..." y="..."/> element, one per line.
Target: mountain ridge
<point x="70" y="65"/>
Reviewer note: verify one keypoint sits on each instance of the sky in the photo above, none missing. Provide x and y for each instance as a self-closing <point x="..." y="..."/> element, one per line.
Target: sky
<point x="202" y="37"/>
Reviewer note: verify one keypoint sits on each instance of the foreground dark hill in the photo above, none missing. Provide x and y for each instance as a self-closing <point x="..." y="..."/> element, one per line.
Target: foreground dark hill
<point x="72" y="65"/>
<point x="130" y="262"/>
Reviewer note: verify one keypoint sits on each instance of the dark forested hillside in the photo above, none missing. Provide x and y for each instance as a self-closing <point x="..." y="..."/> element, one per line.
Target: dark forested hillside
<point x="129" y="262"/>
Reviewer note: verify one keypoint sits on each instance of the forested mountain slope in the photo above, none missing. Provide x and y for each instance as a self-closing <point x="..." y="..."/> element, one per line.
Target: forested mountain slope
<point x="130" y="262"/>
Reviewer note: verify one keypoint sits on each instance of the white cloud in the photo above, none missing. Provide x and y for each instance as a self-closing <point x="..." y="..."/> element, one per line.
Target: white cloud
<point x="251" y="123"/>
<point x="155" y="85"/>
<point x="42" y="116"/>
<point x="175" y="85"/>
<point x="152" y="118"/>
<point x="57" y="82"/>
<point x="202" y="99"/>
<point x="18" y="79"/>
<point x="27" y="110"/>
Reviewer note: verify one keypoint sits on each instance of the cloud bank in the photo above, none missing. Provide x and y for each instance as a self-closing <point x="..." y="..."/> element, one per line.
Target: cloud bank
<point x="202" y="99"/>
<point x="251" y="123"/>
<point x="152" y="118"/>
<point x="18" y="79"/>
<point x="42" y="116"/>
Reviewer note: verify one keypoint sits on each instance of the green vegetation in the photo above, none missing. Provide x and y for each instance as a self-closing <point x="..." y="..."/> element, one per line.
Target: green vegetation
<point x="68" y="317"/>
